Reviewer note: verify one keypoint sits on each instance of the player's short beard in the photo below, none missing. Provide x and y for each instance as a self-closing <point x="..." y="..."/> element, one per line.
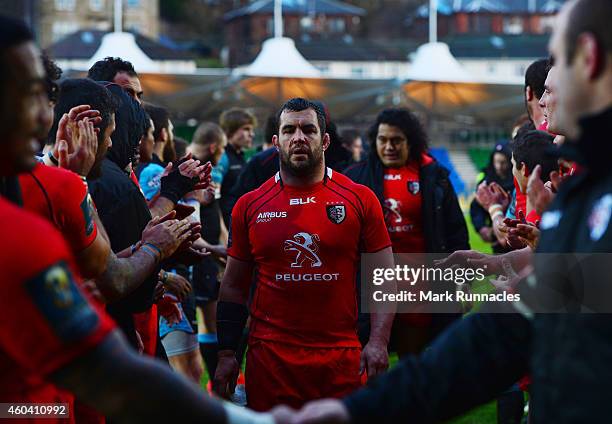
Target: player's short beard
<point x="315" y="158"/>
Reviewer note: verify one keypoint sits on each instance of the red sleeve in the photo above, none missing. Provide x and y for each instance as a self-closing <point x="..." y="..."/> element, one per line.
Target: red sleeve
<point x="76" y="215"/>
<point x="374" y="234"/>
<point x="532" y="217"/>
<point x="238" y="244"/>
<point x="47" y="320"/>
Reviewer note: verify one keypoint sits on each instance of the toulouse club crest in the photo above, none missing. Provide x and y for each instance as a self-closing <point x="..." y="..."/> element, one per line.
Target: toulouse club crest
<point x="336" y="213"/>
<point x="414" y="187"/>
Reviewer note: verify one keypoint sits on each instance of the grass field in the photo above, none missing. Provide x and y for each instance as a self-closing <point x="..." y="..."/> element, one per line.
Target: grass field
<point x="485" y="414"/>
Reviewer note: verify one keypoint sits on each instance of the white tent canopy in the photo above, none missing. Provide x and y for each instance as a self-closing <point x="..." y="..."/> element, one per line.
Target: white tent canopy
<point x="123" y="45"/>
<point x="279" y="58"/>
<point x="434" y="62"/>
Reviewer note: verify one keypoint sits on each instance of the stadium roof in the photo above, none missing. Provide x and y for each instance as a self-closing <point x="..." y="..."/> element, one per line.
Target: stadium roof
<point x="448" y="7"/>
<point x="300" y="7"/>
<point x="83" y="44"/>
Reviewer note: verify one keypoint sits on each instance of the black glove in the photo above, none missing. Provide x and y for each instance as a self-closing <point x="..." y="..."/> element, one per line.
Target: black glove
<point x="175" y="185"/>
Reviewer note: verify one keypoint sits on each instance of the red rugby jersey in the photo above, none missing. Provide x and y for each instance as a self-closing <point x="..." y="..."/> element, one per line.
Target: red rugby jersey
<point x="61" y="197"/>
<point x="306" y="244"/>
<point x="403" y="208"/>
<point x="47" y="320"/>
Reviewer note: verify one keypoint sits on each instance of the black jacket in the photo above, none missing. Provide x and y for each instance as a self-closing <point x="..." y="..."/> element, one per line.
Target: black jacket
<point x="121" y="206"/>
<point x="257" y="171"/>
<point x="235" y="167"/>
<point x="568" y="354"/>
<point x="443" y="223"/>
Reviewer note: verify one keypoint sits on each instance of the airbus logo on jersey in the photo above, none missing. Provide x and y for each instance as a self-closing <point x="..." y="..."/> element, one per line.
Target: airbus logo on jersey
<point x="304" y="248"/>
<point x="269" y="216"/>
<point x="395" y="177"/>
<point x="302" y="201"/>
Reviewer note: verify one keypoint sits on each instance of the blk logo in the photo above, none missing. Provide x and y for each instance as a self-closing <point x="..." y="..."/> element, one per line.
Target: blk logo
<point x="305" y="247"/>
<point x="392" y="210"/>
<point x="302" y="201"/>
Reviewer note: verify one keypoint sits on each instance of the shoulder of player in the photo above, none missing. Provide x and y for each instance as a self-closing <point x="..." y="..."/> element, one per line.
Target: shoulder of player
<point x="249" y="199"/>
<point x="55" y="178"/>
<point x="30" y="240"/>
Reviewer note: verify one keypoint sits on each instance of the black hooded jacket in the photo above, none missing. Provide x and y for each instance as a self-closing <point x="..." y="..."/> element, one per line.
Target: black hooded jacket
<point x="443" y="223"/>
<point x="121" y="206"/>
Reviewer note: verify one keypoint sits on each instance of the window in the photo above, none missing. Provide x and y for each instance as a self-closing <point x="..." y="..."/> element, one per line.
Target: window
<point x="96" y="5"/>
<point x="67" y="5"/>
<point x="62" y="28"/>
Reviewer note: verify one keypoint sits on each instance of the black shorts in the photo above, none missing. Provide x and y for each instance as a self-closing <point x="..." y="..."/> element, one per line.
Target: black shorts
<point x="205" y="282"/>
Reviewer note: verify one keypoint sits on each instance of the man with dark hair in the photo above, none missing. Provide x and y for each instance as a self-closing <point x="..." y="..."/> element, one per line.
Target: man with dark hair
<point x="534" y="89"/>
<point x="163" y="135"/>
<point x="239" y="126"/>
<point x="303" y="341"/>
<point x="528" y="151"/>
<point x="568" y="352"/>
<point x="69" y="341"/>
<point x="121" y="72"/>
<point x="422" y="214"/>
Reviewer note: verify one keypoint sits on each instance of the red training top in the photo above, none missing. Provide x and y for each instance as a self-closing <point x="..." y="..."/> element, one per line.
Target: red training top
<point x="306" y="244"/>
<point x="37" y="289"/>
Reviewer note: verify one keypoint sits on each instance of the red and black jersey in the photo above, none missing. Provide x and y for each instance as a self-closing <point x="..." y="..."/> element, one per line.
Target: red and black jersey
<point x="403" y="207"/>
<point x="306" y="244"/>
<point x="47" y="320"/>
<point x="61" y="197"/>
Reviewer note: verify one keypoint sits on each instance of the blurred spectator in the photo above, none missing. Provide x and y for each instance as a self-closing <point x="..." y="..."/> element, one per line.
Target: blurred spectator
<point x="239" y="126"/>
<point x="499" y="170"/>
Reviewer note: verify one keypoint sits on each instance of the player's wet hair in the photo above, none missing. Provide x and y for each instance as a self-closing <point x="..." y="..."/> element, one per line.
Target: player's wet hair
<point x="106" y="69"/>
<point x="534" y="148"/>
<point x="299" y="104"/>
<point x="408" y="123"/>
<point x="83" y="91"/>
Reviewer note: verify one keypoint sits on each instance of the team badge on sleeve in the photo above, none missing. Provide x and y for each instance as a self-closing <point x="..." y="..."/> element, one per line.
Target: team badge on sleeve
<point x="336" y="213"/>
<point x="87" y="209"/>
<point x="58" y="299"/>
<point x="414" y="187"/>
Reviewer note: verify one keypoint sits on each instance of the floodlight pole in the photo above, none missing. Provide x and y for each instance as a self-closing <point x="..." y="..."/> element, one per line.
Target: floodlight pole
<point x="278" y="18"/>
<point x="118" y="16"/>
<point x="433" y="21"/>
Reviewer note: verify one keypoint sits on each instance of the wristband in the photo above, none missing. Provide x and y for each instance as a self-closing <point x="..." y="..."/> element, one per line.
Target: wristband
<point x="496" y="214"/>
<point x="238" y="415"/>
<point x="155" y="248"/>
<point x="231" y="319"/>
<point x="151" y="252"/>
<point x="50" y="159"/>
<point x="136" y="246"/>
<point x="163" y="277"/>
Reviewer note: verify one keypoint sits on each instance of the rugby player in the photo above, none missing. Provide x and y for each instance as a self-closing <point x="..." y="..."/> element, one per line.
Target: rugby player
<point x="302" y="232"/>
